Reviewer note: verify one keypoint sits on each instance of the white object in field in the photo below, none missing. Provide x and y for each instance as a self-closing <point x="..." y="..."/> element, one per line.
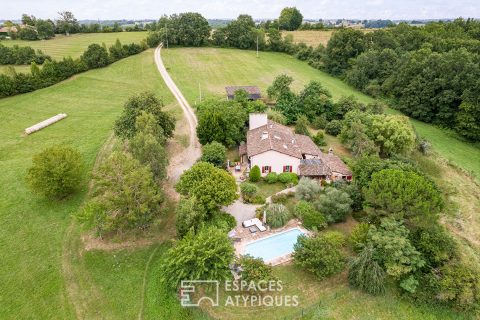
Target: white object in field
<point x="45" y="123"/>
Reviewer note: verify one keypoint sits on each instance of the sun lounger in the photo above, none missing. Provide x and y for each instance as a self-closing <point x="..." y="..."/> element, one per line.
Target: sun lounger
<point x="254" y="222"/>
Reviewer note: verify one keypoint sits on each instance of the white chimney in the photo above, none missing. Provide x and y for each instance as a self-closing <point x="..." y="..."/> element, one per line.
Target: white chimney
<point x="256" y="120"/>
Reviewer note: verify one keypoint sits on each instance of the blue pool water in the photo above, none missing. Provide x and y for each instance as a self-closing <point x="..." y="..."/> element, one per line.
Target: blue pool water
<point x="274" y="246"/>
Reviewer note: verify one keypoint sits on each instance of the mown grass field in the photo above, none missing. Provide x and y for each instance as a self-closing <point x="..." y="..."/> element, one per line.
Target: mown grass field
<point x="43" y="274"/>
<point x="211" y="69"/>
<point x="18" y="69"/>
<point x="75" y="44"/>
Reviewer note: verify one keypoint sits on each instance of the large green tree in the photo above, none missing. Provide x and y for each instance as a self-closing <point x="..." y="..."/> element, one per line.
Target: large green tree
<point x="402" y="193"/>
<point x="334" y="204"/>
<point x="214" y="153"/>
<point x="147" y="102"/>
<point x="206" y="255"/>
<point x="344" y="45"/>
<point x="221" y="121"/>
<point x="290" y="19"/>
<point x="56" y="172"/>
<point x="211" y="186"/>
<point x="125" y="196"/>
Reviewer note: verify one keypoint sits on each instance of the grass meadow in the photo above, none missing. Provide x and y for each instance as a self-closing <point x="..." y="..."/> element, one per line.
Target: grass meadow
<point x="74" y="45"/>
<point x="46" y="272"/>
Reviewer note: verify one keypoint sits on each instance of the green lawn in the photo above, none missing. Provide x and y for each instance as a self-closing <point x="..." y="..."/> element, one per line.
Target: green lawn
<point x="75" y="44"/>
<point x="211" y="69"/>
<point x="41" y="276"/>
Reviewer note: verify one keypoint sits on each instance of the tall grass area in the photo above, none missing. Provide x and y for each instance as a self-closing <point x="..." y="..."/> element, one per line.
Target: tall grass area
<point x="74" y="45"/>
<point x="209" y="70"/>
<point x="33" y="232"/>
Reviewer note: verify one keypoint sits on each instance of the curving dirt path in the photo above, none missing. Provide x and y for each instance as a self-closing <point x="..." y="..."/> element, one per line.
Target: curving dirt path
<point x="190" y="155"/>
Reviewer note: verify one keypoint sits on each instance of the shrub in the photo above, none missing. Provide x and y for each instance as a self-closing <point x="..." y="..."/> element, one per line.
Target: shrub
<point x="255" y="270"/>
<point x="301" y="126"/>
<point x="358" y="236"/>
<point x="95" y="56"/>
<point x="307" y="189"/>
<point x="258" y="199"/>
<point x="206" y="255"/>
<point x="276" y="116"/>
<point x="320" y="255"/>
<point x="435" y="243"/>
<point x="288" y="177"/>
<point x="255" y="174"/>
<point x="334" y="127"/>
<point x="319" y="139"/>
<point x="248" y="191"/>
<point x="148" y="149"/>
<point x="312" y="219"/>
<point x="277" y="215"/>
<point x="335" y="204"/>
<point x="271" y="178"/>
<point x="279" y="198"/>
<point x="190" y="216"/>
<point x="223" y="221"/>
<point x="366" y="274"/>
<point x="215" y="153"/>
<point x="320" y="122"/>
<point x="56" y="172"/>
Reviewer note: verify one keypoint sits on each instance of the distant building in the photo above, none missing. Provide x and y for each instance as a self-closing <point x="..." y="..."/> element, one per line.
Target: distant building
<point x="253" y="92"/>
<point x="5" y="31"/>
<point x="276" y="148"/>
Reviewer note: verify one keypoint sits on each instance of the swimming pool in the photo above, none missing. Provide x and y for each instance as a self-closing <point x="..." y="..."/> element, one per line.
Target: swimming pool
<point x="274" y="246"/>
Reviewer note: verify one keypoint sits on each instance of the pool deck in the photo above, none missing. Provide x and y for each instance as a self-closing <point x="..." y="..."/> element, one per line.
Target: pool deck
<point x="247" y="238"/>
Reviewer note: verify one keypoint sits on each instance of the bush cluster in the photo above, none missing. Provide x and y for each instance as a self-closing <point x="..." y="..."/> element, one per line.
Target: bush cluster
<point x="21" y="55"/>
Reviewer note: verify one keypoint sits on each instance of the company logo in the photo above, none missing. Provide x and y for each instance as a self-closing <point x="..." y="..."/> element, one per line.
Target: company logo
<point x="237" y="294"/>
<point x="192" y="295"/>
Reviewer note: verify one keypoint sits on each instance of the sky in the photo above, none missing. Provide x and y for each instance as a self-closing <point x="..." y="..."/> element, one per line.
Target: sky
<point x="314" y="9"/>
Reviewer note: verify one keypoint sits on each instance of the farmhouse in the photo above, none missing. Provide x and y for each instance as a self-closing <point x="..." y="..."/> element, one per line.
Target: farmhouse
<point x="276" y="148"/>
<point x="253" y="92"/>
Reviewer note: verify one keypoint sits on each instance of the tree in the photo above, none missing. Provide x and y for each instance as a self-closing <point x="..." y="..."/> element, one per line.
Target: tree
<point x="277" y="215"/>
<point x="29" y="20"/>
<point x="394" y="252"/>
<point x="311" y="218"/>
<point x="392" y="134"/>
<point x="344" y="45"/>
<point x="290" y="19"/>
<point x="67" y="23"/>
<point x="241" y="33"/>
<point x="28" y="33"/>
<point x="320" y="254"/>
<point x="45" y="29"/>
<point x="148" y="102"/>
<point x="95" y="56"/>
<point x="315" y="100"/>
<point x="366" y="274"/>
<point x="280" y="86"/>
<point x="190" y="216"/>
<point x="189" y="29"/>
<point x="204" y="256"/>
<point x="214" y="153"/>
<point x="334" y="127"/>
<point x="211" y="186"/>
<point x="288" y="105"/>
<point x="334" y="204"/>
<point x="301" y="126"/>
<point x="254" y="175"/>
<point x="125" y="196"/>
<point x="221" y="121"/>
<point x="402" y="194"/>
<point x="307" y="189"/>
<point x="468" y="117"/>
<point x="56" y="172"/>
<point x="147" y="149"/>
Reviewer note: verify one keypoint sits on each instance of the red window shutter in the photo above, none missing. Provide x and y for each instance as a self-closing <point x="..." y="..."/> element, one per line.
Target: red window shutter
<point x="263" y="169"/>
<point x="291" y="168"/>
<point x="283" y="168"/>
